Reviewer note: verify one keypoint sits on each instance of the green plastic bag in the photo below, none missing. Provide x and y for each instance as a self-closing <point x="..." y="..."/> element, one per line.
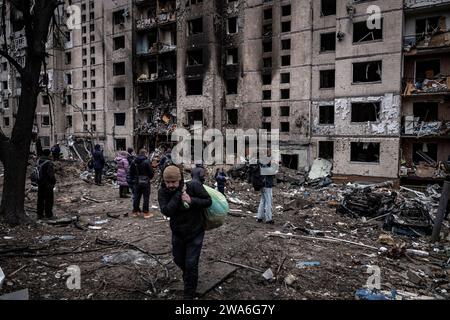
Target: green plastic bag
<point x="214" y="216"/>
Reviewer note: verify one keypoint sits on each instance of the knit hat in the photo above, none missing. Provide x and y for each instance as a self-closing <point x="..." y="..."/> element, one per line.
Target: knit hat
<point x="172" y="173"/>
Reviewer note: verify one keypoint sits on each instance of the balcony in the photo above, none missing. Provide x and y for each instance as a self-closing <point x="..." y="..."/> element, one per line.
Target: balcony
<point x="162" y="19"/>
<point x="426" y="43"/>
<point x="157" y="48"/>
<point x="145" y="24"/>
<point x="414" y="5"/>
<point x="413" y="127"/>
<point x="439" y="85"/>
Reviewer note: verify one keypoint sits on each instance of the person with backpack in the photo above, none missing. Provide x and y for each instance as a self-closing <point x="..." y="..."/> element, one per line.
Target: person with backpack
<point x="186" y="222"/>
<point x="122" y="169"/>
<point x="221" y="179"/>
<point x="263" y="182"/>
<point x="44" y="176"/>
<point x="141" y="172"/>
<point x="98" y="163"/>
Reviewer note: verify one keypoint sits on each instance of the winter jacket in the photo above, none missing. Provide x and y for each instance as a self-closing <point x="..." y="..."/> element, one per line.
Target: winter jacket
<point x="221" y="179"/>
<point x="140" y="167"/>
<point x="162" y="163"/>
<point x="47" y="173"/>
<point x="122" y="168"/>
<point x="185" y="223"/>
<point x="99" y="159"/>
<point x="198" y="173"/>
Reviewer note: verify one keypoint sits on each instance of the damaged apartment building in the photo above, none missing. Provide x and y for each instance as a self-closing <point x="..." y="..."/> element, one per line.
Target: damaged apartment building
<point x="426" y="94"/>
<point x="312" y="69"/>
<point x="155" y="72"/>
<point x="370" y="95"/>
<point x="87" y="82"/>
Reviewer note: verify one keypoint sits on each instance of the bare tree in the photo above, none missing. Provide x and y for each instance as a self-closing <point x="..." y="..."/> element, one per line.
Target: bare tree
<point x="38" y="17"/>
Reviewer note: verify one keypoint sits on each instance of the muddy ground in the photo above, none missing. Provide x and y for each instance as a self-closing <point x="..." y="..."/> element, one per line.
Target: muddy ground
<point x="39" y="264"/>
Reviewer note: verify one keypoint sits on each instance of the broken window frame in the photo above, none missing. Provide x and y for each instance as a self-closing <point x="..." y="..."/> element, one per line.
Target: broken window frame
<point x="192" y="56"/>
<point x="374" y="156"/>
<point x="325" y="120"/>
<point x="327" y="154"/>
<point x="355" y="114"/>
<point x="374" y="32"/>
<point x="368" y="64"/>
<point x="193" y="24"/>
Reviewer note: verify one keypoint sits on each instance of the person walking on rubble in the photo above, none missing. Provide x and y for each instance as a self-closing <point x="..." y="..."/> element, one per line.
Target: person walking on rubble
<point x="46" y="182"/>
<point x="263" y="175"/>
<point x="99" y="164"/>
<point x="141" y="172"/>
<point x="186" y="222"/>
<point x="221" y="179"/>
<point x="56" y="152"/>
<point x="198" y="173"/>
<point x="122" y="169"/>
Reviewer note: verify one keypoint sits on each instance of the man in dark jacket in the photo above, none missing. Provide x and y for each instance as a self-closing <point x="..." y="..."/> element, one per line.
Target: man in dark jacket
<point x="184" y="206"/>
<point x="56" y="152"/>
<point x="99" y="163"/>
<point x="46" y="183"/>
<point x="221" y="179"/>
<point x="141" y="172"/>
<point x="198" y="173"/>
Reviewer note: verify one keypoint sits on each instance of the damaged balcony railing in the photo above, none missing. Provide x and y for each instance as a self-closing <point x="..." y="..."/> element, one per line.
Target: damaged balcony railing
<point x="439" y="84"/>
<point x="428" y="40"/>
<point x="152" y="22"/>
<point x="155" y="128"/>
<point x="158" y="47"/>
<point x="413" y="126"/>
<point x="160" y="104"/>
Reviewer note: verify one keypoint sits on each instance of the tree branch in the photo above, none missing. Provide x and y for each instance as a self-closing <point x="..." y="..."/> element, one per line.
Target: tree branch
<point x="12" y="61"/>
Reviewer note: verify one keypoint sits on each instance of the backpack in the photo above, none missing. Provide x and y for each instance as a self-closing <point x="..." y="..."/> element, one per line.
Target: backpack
<point x="214" y="216"/>
<point x="36" y="174"/>
<point x="142" y="180"/>
<point x="257" y="178"/>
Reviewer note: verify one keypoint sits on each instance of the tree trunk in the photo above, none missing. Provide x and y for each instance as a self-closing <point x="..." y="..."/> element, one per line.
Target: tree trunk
<point x="14" y="152"/>
<point x="15" y="166"/>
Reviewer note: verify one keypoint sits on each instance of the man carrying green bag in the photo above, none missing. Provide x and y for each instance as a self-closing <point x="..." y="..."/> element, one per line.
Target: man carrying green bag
<point x="216" y="213"/>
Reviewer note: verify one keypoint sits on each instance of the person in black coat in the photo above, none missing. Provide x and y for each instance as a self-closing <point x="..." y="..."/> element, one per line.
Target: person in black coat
<point x="99" y="163"/>
<point x="141" y="172"/>
<point x="184" y="205"/>
<point x="46" y="183"/>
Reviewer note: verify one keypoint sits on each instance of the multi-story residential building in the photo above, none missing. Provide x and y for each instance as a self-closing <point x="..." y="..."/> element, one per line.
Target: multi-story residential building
<point x="426" y="96"/>
<point x="155" y="72"/>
